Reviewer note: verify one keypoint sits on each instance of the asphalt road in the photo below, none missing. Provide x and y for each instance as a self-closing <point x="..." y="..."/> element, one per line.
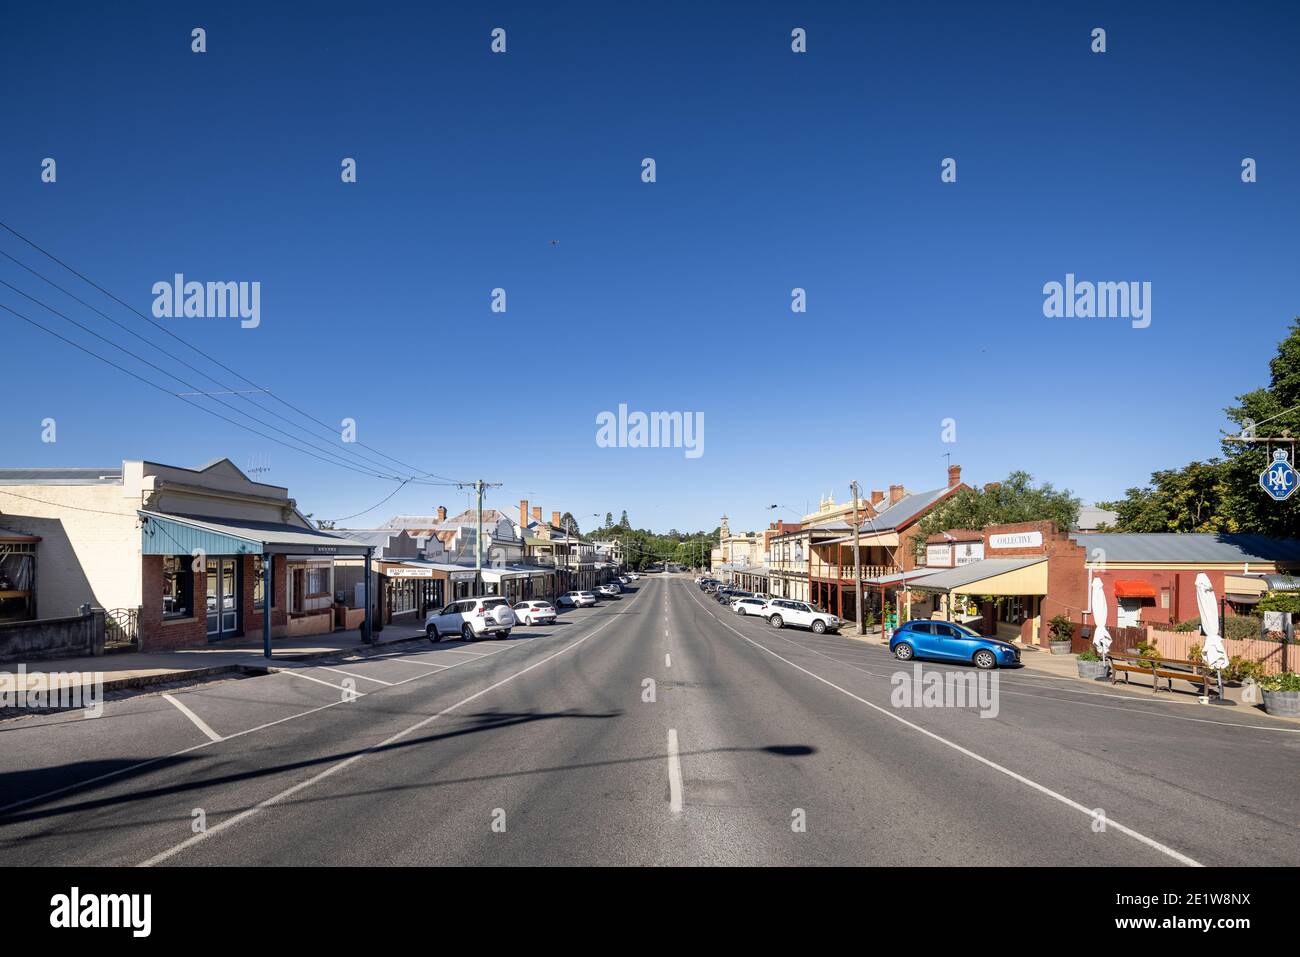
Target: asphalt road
<point x="656" y="729"/>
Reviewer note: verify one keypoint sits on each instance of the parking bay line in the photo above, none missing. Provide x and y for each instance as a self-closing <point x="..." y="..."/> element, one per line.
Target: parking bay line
<point x="198" y="722"/>
<point x="149" y="762"/>
<point x="1020" y="778"/>
<point x="348" y="762"/>
<point x="378" y="681"/>
<point x="298" y="674"/>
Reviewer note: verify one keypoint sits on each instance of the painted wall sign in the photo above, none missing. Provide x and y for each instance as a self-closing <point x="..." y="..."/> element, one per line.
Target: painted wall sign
<point x="938" y="556"/>
<point x="1016" y="540"/>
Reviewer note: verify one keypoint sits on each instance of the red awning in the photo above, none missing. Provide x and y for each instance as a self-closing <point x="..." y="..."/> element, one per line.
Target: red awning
<point x="1129" y="588"/>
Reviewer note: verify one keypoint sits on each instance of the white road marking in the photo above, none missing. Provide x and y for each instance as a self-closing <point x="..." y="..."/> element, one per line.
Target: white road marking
<point x="425" y="664"/>
<point x="668" y="660"/>
<point x="350" y="674"/>
<point x="299" y="674"/>
<point x="674" y="774"/>
<point x="348" y="762"/>
<point x="1042" y="789"/>
<point x="198" y="722"/>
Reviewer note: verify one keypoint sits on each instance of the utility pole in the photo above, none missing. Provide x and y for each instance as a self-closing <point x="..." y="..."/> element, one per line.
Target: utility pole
<point x="857" y="556"/>
<point x="478" y="486"/>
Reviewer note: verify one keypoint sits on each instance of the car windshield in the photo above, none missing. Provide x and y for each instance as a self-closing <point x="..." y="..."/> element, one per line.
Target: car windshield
<point x="493" y="602"/>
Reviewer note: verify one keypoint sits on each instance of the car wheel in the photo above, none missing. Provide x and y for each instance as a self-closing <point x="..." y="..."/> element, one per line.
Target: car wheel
<point x="903" y="651"/>
<point x="506" y="633"/>
<point x="776" y="621"/>
<point x="432" y="633"/>
<point x="819" y="627"/>
<point x="466" y="633"/>
<point x="984" y="659"/>
<point x="528" y="622"/>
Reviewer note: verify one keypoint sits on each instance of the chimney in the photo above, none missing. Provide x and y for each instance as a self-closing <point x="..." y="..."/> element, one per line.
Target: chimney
<point x="877" y="496"/>
<point x="954" y="476"/>
<point x="523" y="513"/>
<point x="537" y="513"/>
<point x="555" y="519"/>
<point x="442" y="513"/>
<point x="895" y="494"/>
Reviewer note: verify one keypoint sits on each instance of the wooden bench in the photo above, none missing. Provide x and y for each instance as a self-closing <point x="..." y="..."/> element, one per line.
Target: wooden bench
<point x="1130" y="662"/>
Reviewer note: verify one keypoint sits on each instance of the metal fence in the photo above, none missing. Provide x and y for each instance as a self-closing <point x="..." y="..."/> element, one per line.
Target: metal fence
<point x="122" y="629"/>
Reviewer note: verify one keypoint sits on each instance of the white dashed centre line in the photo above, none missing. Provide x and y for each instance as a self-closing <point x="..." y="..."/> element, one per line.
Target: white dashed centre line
<point x="674" y="774"/>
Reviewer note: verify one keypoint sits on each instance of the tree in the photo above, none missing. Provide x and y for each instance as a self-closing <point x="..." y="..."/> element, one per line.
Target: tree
<point x="623" y="521"/>
<point x="609" y="519"/>
<point x="1223" y="494"/>
<point x="1176" y="500"/>
<point x="570" y="524"/>
<point x="1016" y="499"/>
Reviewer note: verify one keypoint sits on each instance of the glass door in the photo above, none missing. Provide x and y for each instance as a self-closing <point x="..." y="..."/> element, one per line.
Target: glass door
<point x="223" y="598"/>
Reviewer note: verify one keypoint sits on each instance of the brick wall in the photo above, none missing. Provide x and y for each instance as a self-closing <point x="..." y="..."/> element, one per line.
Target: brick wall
<point x="157" y="634"/>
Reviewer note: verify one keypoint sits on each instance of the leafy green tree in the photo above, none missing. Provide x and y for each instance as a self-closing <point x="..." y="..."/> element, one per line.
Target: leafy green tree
<point x="1177" y="500"/>
<point x="1016" y="499"/>
<point x="623" y="521"/>
<point x="569" y="524"/>
<point x="609" y="519"/>
<point x="1223" y="494"/>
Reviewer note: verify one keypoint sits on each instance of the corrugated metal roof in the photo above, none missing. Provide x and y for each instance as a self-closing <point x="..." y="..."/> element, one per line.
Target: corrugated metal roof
<point x="904" y="510"/>
<point x="235" y="537"/>
<point x="1188" y="547"/>
<point x="976" y="572"/>
<point x="61" y="476"/>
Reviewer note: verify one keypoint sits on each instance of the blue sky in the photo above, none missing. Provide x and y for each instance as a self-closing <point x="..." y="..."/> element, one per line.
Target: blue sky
<point x="775" y="170"/>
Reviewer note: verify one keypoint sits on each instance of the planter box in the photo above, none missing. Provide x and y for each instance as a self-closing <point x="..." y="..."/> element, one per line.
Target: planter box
<point x="1060" y="647"/>
<point x="1092" y="670"/>
<point x="1285" y="704"/>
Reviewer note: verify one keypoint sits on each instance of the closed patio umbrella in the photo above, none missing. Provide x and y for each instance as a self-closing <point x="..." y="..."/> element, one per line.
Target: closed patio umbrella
<point x="1097" y="605"/>
<point x="1213" y="653"/>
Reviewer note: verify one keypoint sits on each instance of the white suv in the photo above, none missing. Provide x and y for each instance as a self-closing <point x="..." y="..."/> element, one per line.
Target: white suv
<point x="471" y="618"/>
<point x="780" y="612"/>
<point x="749" y="606"/>
<point x="577" y="599"/>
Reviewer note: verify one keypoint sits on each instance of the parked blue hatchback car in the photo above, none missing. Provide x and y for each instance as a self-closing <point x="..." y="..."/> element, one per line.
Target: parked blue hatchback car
<point x="948" y="641"/>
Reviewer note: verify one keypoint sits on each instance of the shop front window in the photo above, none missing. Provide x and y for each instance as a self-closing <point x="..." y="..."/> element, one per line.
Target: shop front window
<point x="177" y="587"/>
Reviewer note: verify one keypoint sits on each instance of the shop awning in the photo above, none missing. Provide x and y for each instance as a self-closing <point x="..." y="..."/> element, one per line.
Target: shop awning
<point x="1134" y="588"/>
<point x="164" y="534"/>
<point x="992" y="576"/>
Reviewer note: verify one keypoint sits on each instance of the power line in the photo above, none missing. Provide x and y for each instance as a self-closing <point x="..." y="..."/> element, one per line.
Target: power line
<point x="201" y="408"/>
<point x="196" y="349"/>
<point x="372" y="507"/>
<point x="336" y="459"/>
<point x="170" y="355"/>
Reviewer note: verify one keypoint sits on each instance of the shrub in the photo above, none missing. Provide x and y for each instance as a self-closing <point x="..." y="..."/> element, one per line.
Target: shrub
<point x="1194" y="653"/>
<point x="1239" y="669"/>
<point x="1062" y="628"/>
<point x="1148" y="651"/>
<point x="1088" y="655"/>
<point x="1234" y="626"/>
<point x="1286" y="681"/>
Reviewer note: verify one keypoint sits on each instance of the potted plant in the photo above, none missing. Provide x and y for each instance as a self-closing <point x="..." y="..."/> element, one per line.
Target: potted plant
<point x="1062" y="633"/>
<point x="1090" y="665"/>
<point x="1281" y="694"/>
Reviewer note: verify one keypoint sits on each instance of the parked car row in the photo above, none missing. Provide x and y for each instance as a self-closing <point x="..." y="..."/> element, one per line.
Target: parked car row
<point x="932" y="639"/>
<point x="493" y="615"/>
